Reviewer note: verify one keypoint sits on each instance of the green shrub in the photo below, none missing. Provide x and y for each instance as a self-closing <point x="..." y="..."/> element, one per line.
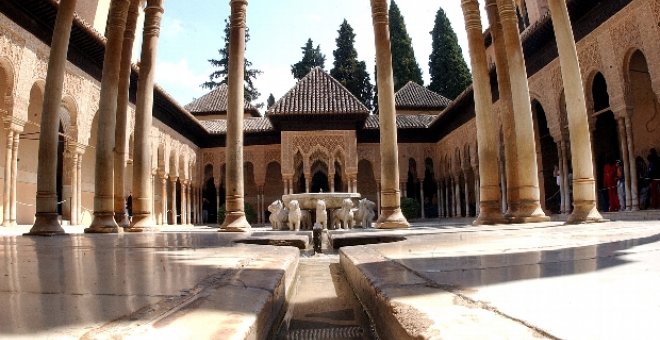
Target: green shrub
<point x="250" y="214"/>
<point x="409" y="207"/>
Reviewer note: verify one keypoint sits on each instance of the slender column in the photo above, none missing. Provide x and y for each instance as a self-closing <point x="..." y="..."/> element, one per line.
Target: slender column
<point x="121" y="132"/>
<point x="142" y="216"/>
<point x="466" y="184"/>
<point x="332" y="182"/>
<point x="560" y="153"/>
<point x="391" y="216"/>
<point x="526" y="206"/>
<point x="566" y="184"/>
<point x="6" y="213"/>
<point x="235" y="215"/>
<point x="184" y="202"/>
<point x="623" y="140"/>
<point x="378" y="198"/>
<point x="584" y="185"/>
<point x="489" y="197"/>
<point x="79" y="191"/>
<point x="308" y="180"/>
<point x="104" y="221"/>
<point x="46" y="222"/>
<point x="633" y="165"/>
<point x="14" y="176"/>
<point x="477" y="193"/>
<point x="285" y="183"/>
<point x="173" y="211"/>
<point x="163" y="194"/>
<point x="447" y="189"/>
<point x="218" y="186"/>
<point x="440" y="198"/>
<point x="421" y="192"/>
<point x="75" y="212"/>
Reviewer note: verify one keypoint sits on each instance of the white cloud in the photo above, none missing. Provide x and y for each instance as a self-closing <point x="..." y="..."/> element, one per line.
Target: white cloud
<point x="180" y="80"/>
<point x="276" y="79"/>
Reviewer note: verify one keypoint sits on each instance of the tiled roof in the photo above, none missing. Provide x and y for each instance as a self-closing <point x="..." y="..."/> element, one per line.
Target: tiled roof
<point x="250" y="125"/>
<point x="215" y="102"/>
<point x="415" y="96"/>
<point x="402" y="122"/>
<point x="318" y="93"/>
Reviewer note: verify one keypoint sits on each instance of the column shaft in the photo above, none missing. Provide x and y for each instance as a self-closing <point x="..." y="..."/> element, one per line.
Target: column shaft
<point x="584" y="185"/>
<point x="633" y="166"/>
<point x="466" y="184"/>
<point x="14" y="177"/>
<point x="121" y="131"/>
<point x="421" y="194"/>
<point x="75" y="204"/>
<point x="623" y="146"/>
<point x="489" y="201"/>
<point x="104" y="221"/>
<point x="46" y="222"/>
<point x="6" y="211"/>
<point x="163" y="203"/>
<point x="391" y="216"/>
<point x="235" y="214"/>
<point x="440" y="199"/>
<point x="173" y="211"/>
<point x="142" y="196"/>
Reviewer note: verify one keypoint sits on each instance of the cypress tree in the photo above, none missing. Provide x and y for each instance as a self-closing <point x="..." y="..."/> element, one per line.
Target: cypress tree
<point x="404" y="64"/>
<point x="271" y="101"/>
<point x="348" y="70"/>
<point x="220" y="75"/>
<point x="449" y="73"/>
<point x="312" y="57"/>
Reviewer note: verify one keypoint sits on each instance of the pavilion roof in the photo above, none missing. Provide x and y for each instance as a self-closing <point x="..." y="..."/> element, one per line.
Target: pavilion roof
<point x="250" y="125"/>
<point x="215" y="102"/>
<point x="415" y="96"/>
<point x="419" y="121"/>
<point x="318" y="93"/>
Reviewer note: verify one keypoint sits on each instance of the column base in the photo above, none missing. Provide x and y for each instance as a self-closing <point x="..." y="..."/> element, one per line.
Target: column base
<point x="141" y="223"/>
<point x="103" y="223"/>
<point x="585" y="212"/>
<point x="9" y="224"/>
<point x="392" y="219"/>
<point x="46" y="224"/>
<point x="235" y="222"/>
<point x="526" y="211"/>
<point x="490" y="213"/>
<point x="122" y="220"/>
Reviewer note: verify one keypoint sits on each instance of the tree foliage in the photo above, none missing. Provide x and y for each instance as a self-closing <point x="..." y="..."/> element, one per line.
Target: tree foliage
<point x="449" y="73"/>
<point x="312" y="57"/>
<point x="404" y="64"/>
<point x="348" y="70"/>
<point x="220" y="75"/>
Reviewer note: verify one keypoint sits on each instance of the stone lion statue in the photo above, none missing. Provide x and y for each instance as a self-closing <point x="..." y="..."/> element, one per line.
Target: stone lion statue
<point x="278" y="215"/>
<point x="365" y="213"/>
<point x="344" y="216"/>
<point x="321" y="214"/>
<point x="294" y="215"/>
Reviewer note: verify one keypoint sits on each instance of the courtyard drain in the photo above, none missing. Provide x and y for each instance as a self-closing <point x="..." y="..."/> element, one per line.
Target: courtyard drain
<point x="348" y="333"/>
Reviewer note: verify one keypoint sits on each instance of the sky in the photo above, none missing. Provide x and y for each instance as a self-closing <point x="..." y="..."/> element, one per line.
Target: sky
<point x="192" y="33"/>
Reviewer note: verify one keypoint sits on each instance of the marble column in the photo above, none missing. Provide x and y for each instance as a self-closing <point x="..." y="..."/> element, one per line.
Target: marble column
<point x="378" y="198"/>
<point x="218" y="204"/>
<point x="332" y="182"/>
<point x="477" y="193"/>
<point x="173" y="211"/>
<point x="566" y="183"/>
<point x="633" y="166"/>
<point x="447" y="195"/>
<point x="308" y="181"/>
<point x="235" y="214"/>
<point x="6" y="211"/>
<point x="440" y="199"/>
<point x="14" y="175"/>
<point x="466" y="184"/>
<point x="46" y="222"/>
<point x="121" y="131"/>
<point x="142" y="214"/>
<point x="584" y="185"/>
<point x="523" y="189"/>
<point x="489" y="197"/>
<point x="457" y="197"/>
<point x="76" y="152"/>
<point x="163" y="194"/>
<point x="421" y="194"/>
<point x="184" y="202"/>
<point x="104" y="219"/>
<point x="623" y="146"/>
<point x="391" y="216"/>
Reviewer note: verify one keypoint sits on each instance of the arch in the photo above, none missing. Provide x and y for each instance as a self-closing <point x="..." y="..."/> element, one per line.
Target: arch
<point x="7" y="78"/>
<point x="645" y="113"/>
<point x="430" y="204"/>
<point x="547" y="159"/>
<point x="320" y="180"/>
<point x="367" y="185"/>
<point x="209" y="196"/>
<point x="606" y="147"/>
<point x="274" y="186"/>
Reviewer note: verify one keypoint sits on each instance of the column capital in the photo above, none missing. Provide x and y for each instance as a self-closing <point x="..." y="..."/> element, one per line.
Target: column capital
<point x="13" y="123"/>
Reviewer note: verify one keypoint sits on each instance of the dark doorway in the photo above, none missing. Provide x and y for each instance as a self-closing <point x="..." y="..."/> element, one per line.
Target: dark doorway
<point x="549" y="159"/>
<point x="605" y="137"/>
<point x="320" y="182"/>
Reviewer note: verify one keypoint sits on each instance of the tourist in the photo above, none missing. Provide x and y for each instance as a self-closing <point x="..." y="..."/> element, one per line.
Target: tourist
<point x="620" y="185"/>
<point x="129" y="207"/>
<point x="654" y="176"/>
<point x="642" y="182"/>
<point x="609" y="181"/>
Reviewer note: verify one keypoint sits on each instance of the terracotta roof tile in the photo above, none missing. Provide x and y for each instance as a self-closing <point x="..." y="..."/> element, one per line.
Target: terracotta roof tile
<point x="215" y="102"/>
<point x="250" y="125"/>
<point x="415" y="96"/>
<point x="318" y="93"/>
<point x="402" y="122"/>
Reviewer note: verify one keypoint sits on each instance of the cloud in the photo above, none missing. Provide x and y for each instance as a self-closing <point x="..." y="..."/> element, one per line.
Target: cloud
<point x="276" y="79"/>
<point x="171" y="28"/>
<point x="180" y="80"/>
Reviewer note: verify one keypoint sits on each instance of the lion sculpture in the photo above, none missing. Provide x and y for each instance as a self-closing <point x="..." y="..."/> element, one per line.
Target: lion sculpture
<point x="343" y="217"/>
<point x="294" y="215"/>
<point x="279" y="215"/>
<point x="365" y="213"/>
<point x="321" y="214"/>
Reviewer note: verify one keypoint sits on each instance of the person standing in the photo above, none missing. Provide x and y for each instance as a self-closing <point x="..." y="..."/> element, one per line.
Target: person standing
<point x="620" y="185"/>
<point x="654" y="175"/>
<point x="609" y="181"/>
